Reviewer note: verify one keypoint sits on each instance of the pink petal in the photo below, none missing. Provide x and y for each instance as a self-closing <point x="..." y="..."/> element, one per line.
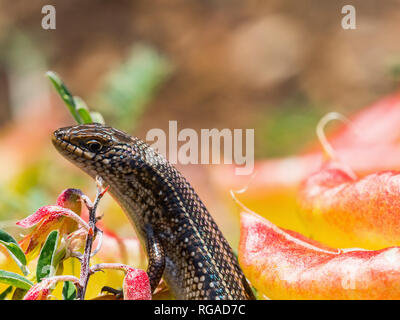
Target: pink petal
<point x="39" y="291"/>
<point x="71" y="199"/>
<point x="51" y="212"/>
<point x="136" y="285"/>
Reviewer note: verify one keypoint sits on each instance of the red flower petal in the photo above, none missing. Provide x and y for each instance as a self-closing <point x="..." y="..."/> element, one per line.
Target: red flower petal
<point x="46" y="219"/>
<point x="39" y="291"/>
<point x="49" y="212"/>
<point x="136" y="285"/>
<point x="364" y="211"/>
<point x="282" y="265"/>
<point x="70" y="199"/>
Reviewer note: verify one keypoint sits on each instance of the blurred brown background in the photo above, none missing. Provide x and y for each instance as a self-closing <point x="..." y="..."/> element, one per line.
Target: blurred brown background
<point x="276" y="66"/>
<point x="234" y="61"/>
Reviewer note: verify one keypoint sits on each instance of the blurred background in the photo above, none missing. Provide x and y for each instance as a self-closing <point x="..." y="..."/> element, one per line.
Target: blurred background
<point x="275" y="66"/>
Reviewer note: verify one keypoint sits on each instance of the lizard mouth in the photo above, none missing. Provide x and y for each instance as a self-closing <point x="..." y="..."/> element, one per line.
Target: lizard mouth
<point x="62" y="143"/>
<point x="59" y="141"/>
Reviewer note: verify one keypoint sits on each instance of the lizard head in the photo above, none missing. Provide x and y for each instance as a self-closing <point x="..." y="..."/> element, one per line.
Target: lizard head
<point x="127" y="164"/>
<point x="97" y="149"/>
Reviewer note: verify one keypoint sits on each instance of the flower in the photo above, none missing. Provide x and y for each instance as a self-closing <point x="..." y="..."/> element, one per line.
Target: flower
<point x="64" y="216"/>
<point x="136" y="283"/>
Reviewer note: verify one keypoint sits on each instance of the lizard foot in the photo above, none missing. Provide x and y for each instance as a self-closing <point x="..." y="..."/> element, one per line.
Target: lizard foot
<point x="118" y="293"/>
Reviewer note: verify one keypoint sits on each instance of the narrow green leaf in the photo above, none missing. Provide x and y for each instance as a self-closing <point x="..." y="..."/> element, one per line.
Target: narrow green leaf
<point x="69" y="291"/>
<point x="45" y="265"/>
<point x="17" y="254"/>
<point x="14" y="250"/>
<point x="58" y="258"/>
<point x="97" y="117"/>
<point x="83" y="110"/>
<point x="4" y="294"/>
<point x="6" y="237"/>
<point x="65" y="94"/>
<point x="15" y="280"/>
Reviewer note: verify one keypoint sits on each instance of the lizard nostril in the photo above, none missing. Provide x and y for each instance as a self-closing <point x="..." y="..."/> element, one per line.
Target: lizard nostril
<point x="57" y="136"/>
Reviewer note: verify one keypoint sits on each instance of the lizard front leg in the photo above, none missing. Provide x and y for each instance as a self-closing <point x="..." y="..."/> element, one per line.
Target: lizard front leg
<point x="156" y="257"/>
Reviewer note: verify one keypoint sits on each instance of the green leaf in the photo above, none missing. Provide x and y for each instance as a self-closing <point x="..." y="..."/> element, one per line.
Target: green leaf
<point x="17" y="254"/>
<point x="97" y="117"/>
<point x="4" y="294"/>
<point x="65" y="94"/>
<point x="15" y="280"/>
<point x="83" y="110"/>
<point x="4" y="236"/>
<point x="76" y="105"/>
<point x="69" y="291"/>
<point x="131" y="86"/>
<point x="14" y="250"/>
<point x="45" y="266"/>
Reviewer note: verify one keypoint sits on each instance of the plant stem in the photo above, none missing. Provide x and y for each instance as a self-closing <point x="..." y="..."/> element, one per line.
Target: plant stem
<point x="85" y="261"/>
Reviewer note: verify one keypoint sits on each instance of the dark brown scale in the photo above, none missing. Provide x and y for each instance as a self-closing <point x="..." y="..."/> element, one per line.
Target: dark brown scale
<point x="183" y="242"/>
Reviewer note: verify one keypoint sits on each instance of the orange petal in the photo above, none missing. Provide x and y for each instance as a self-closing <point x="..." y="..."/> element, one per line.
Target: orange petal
<point x="282" y="265"/>
<point x="46" y="219"/>
<point x="272" y="190"/>
<point x="341" y="211"/>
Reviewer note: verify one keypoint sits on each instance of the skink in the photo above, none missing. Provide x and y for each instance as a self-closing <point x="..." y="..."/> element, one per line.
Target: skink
<point x="183" y="243"/>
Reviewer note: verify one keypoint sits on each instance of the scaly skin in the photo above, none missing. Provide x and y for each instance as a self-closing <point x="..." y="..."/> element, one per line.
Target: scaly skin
<point x="183" y="242"/>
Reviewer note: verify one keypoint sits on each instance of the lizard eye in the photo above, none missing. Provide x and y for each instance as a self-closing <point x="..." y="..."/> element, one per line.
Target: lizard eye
<point x="94" y="145"/>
